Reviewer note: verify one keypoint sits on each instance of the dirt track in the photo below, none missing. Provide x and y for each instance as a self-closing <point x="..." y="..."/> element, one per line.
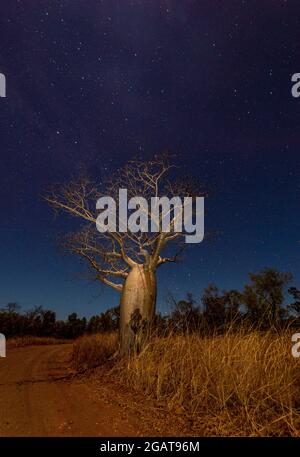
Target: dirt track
<point x="40" y="397"/>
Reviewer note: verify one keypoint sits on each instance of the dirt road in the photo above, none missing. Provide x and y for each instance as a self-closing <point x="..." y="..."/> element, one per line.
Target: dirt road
<point x="39" y="396"/>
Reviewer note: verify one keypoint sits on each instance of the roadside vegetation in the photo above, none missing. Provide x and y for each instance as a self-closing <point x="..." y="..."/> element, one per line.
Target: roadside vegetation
<point x="240" y="383"/>
<point x="225" y="368"/>
<point x="231" y="384"/>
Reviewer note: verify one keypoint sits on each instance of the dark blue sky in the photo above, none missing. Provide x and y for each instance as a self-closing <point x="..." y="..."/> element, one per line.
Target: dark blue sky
<point x="90" y="84"/>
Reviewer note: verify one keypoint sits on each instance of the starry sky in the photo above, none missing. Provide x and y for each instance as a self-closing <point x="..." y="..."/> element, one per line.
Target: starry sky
<point x="92" y="83"/>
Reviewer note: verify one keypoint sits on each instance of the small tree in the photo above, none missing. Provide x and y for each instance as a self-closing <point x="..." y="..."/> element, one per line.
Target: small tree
<point x="264" y="296"/>
<point x="75" y="326"/>
<point x="186" y="315"/>
<point x="214" y="307"/>
<point x="232" y="302"/>
<point x="12" y="307"/>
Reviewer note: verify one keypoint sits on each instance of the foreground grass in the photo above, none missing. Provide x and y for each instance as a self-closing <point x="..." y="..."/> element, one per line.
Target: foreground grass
<point x="234" y="384"/>
<point x="89" y="351"/>
<point x="33" y="341"/>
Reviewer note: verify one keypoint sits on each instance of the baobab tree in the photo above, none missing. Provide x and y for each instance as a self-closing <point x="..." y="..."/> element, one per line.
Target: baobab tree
<point x="123" y="260"/>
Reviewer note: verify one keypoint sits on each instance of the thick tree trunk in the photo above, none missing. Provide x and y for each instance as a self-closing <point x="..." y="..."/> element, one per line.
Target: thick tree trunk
<point x="137" y="309"/>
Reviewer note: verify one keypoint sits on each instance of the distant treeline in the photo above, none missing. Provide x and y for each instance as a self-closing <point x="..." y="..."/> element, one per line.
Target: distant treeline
<point x="42" y="322"/>
<point x="266" y="301"/>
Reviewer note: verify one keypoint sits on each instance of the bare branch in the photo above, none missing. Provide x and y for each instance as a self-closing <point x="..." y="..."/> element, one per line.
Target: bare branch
<point x="111" y="255"/>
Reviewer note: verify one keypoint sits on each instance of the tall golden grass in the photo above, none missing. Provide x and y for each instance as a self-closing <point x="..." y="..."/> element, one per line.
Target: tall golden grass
<point x="90" y="351"/>
<point x="236" y="384"/>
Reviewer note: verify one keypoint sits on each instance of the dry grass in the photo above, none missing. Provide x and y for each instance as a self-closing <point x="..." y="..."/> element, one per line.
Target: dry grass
<point x="33" y="341"/>
<point x="233" y="384"/>
<point x="91" y="351"/>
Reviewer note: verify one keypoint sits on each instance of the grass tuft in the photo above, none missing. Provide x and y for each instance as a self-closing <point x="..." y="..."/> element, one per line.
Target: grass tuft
<point x="90" y="351"/>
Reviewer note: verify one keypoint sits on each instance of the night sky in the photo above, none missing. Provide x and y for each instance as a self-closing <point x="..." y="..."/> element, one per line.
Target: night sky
<point x="92" y="83"/>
